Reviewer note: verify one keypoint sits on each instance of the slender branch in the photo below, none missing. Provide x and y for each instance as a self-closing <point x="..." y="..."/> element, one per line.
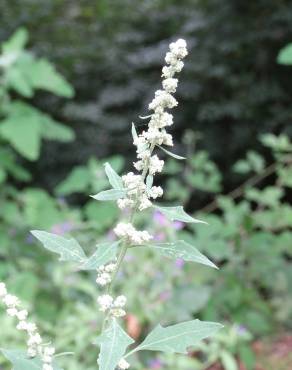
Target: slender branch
<point x="236" y="193"/>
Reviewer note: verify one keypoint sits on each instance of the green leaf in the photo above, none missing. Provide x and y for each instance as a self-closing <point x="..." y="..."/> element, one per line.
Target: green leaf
<point x="177" y="214"/>
<point x="16" y="42"/>
<point x="285" y="55"/>
<point x="20" y="361"/>
<point x="228" y="361"/>
<point x="149" y="182"/>
<point x="17" y="80"/>
<point x="105" y="253"/>
<point x="69" y="249"/>
<point x="247" y="356"/>
<point x="177" y="338"/>
<point x="171" y="154"/>
<point x="184" y="250"/>
<point x="114" y="179"/>
<point x="134" y="132"/>
<point x="24" y="134"/>
<point x="113" y="344"/>
<point x="76" y="182"/>
<point x="25" y="126"/>
<point x="112" y="194"/>
<point x="53" y="130"/>
<point x="43" y="75"/>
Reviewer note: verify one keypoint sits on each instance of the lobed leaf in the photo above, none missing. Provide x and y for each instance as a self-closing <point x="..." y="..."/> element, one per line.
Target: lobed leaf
<point x="69" y="249"/>
<point x="113" y="344"/>
<point x="114" y="179"/>
<point x="177" y="338"/>
<point x="177" y="214"/>
<point x="112" y="194"/>
<point x="105" y="253"/>
<point x="184" y="250"/>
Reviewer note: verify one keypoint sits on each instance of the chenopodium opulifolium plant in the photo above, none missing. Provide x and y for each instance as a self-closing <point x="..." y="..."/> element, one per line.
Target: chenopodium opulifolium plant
<point x="134" y="193"/>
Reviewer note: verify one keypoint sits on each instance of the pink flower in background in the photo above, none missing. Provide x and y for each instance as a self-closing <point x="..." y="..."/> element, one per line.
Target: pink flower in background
<point x="178" y="225"/>
<point x="155" y="364"/>
<point x="129" y="257"/>
<point x="62" y="228"/>
<point x="160" y="236"/>
<point x="179" y="263"/>
<point x="164" y="296"/>
<point x="160" y="218"/>
<point x="111" y="236"/>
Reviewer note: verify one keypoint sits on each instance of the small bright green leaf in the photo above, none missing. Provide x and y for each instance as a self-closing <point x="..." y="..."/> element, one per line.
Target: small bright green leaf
<point x="228" y="361"/>
<point x="112" y="194"/>
<point x="20" y="361"/>
<point x="24" y="134"/>
<point x="177" y="214"/>
<point x="134" y="133"/>
<point x="105" y="253"/>
<point x="247" y="356"/>
<point x="178" y="338"/>
<point x="285" y="55"/>
<point x="16" y="42"/>
<point x="184" y="250"/>
<point x="171" y="154"/>
<point x="113" y="344"/>
<point x="69" y="249"/>
<point x="77" y="181"/>
<point x="2" y="175"/>
<point x="43" y="75"/>
<point x="149" y="182"/>
<point x="53" y="130"/>
<point x="19" y="82"/>
<point x="114" y="179"/>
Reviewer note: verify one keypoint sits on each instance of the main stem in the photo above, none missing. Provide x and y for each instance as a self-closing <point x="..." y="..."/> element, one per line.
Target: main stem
<point x="125" y="245"/>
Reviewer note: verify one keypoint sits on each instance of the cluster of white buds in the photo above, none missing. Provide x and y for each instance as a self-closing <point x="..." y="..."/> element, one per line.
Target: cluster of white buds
<point x="123" y="364"/>
<point x="104" y="274"/>
<point x="135" y="237"/>
<point x="137" y="193"/>
<point x="34" y="342"/>
<point x="113" y="306"/>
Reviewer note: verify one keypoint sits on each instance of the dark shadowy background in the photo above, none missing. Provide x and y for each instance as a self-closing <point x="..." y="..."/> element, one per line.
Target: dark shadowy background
<point x="111" y="50"/>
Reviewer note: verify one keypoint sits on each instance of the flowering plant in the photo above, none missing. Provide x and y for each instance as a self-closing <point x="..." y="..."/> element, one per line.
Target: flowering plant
<point x="134" y="193"/>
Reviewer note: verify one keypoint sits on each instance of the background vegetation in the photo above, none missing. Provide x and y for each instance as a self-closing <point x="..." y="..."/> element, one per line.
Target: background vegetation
<point x="233" y="124"/>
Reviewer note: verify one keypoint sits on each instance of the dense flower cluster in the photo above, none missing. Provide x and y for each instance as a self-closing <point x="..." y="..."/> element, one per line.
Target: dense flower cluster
<point x="139" y="187"/>
<point x="127" y="230"/>
<point x="34" y="342"/>
<point x="138" y="195"/>
<point x="104" y="273"/>
<point x="112" y="306"/>
<point x="123" y="364"/>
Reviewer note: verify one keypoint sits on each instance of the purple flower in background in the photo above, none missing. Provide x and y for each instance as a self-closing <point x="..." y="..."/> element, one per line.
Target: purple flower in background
<point x="241" y="330"/>
<point x="29" y="239"/>
<point x="62" y="228"/>
<point x="160" y="218"/>
<point x="179" y="263"/>
<point x="61" y="201"/>
<point x="178" y="225"/>
<point x="111" y="236"/>
<point x="155" y="363"/>
<point x="159" y="237"/>
<point x="165" y="295"/>
<point x="129" y="257"/>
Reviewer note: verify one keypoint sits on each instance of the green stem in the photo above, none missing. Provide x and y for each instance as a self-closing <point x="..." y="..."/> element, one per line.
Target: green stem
<point x="125" y="245"/>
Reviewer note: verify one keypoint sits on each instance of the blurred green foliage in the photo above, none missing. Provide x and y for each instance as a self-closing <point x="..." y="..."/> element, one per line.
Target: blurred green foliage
<point x="232" y="90"/>
<point x="249" y="235"/>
